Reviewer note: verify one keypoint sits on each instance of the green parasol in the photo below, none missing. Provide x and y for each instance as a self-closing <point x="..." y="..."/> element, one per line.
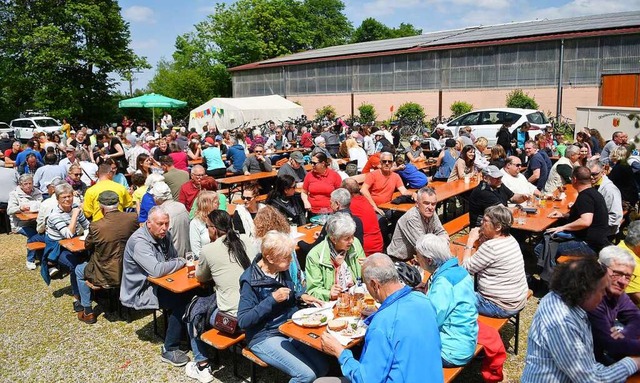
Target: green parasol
<point x="152" y="100"/>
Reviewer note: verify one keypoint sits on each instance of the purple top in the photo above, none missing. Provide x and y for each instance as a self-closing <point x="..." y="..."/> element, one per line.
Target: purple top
<point x="608" y="350"/>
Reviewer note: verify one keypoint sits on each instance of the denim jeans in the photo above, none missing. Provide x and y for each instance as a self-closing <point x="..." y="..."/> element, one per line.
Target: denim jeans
<point x="490" y="309"/>
<point x="70" y="260"/>
<point x="198" y="346"/>
<point x="303" y="363"/>
<point x="31" y="233"/>
<point x="176" y="303"/>
<point x="83" y="289"/>
<point x="573" y="247"/>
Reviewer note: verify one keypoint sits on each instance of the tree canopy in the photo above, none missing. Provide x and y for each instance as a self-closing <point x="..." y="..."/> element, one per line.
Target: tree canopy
<point x="60" y="57"/>
<point x="371" y="30"/>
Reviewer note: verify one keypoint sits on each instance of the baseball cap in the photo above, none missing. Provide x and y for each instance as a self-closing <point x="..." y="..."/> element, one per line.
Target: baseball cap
<point x="414" y="138"/>
<point x="297" y="157"/>
<point x="161" y="190"/>
<point x="492" y="171"/>
<point x="218" y="138"/>
<point x="209" y="140"/>
<point x="149" y="137"/>
<point x="108" y="198"/>
<point x="70" y="148"/>
<point x="378" y="133"/>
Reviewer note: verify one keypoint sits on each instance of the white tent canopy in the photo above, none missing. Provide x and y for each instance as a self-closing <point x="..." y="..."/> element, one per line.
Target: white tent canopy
<point x="231" y="113"/>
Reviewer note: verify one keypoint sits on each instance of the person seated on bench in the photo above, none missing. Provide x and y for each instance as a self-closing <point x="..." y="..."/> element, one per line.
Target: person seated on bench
<point x="372" y="241"/>
<point x="615" y="323"/>
<point x="450" y="291"/>
<point x="379" y="185"/>
<point x="560" y="343"/>
<point x="498" y="265"/>
<point x="402" y="343"/>
<point x="631" y="243"/>
<point x="21" y="200"/>
<point x="105" y="243"/>
<point x="294" y="168"/>
<point x="283" y="197"/>
<point x="223" y="261"/>
<point x="267" y="300"/>
<point x="246" y="212"/>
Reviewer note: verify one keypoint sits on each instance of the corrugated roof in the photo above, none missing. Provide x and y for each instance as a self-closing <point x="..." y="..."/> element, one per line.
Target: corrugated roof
<point x="470" y="35"/>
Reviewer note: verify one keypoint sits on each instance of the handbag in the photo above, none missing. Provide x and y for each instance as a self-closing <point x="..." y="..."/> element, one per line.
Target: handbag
<point x="225" y="323"/>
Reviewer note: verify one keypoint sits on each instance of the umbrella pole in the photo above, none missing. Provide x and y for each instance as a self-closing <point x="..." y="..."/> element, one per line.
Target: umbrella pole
<point x="153" y="123"/>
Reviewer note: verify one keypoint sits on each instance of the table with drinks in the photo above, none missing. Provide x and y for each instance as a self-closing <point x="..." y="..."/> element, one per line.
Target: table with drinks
<point x="537" y="222"/>
<point x="179" y="281"/>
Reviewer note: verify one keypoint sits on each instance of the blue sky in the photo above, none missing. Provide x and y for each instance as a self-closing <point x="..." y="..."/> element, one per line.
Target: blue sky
<point x="155" y="24"/>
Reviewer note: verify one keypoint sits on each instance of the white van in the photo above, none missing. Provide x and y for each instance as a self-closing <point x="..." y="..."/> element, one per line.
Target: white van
<point x="25" y="127"/>
<point x="486" y="122"/>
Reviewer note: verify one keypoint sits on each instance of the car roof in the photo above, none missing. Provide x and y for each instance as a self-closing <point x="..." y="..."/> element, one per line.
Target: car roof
<point x="515" y="110"/>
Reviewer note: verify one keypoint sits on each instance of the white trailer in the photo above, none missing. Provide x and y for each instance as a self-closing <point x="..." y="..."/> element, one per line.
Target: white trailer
<point x="607" y="120"/>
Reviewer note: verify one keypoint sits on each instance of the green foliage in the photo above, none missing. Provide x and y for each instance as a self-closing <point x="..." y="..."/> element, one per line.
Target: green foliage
<point x="411" y="111"/>
<point x="322" y="112"/>
<point x="60" y="57"/>
<point x="371" y="30"/>
<point x="519" y="99"/>
<point x="459" y="108"/>
<point x="367" y="113"/>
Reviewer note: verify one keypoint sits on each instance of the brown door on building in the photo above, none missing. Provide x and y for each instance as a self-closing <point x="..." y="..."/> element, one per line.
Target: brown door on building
<point x="620" y="90"/>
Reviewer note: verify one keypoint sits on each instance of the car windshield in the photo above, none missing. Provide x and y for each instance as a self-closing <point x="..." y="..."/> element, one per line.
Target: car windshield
<point x="47" y="122"/>
<point x="537" y="118"/>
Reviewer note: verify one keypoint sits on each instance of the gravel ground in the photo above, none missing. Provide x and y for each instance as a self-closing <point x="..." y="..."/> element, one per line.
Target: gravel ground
<point x="43" y="341"/>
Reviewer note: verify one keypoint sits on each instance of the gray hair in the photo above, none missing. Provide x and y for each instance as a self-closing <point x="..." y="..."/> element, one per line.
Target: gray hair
<point x="157" y="210"/>
<point x="277" y="244"/>
<point x="386" y="154"/>
<point x="197" y="167"/>
<point x="64" y="188"/>
<point x="633" y="234"/>
<point x="611" y="254"/>
<point x="152" y="179"/>
<point x="432" y="247"/>
<point x="571" y="150"/>
<point x="24" y="178"/>
<point x="318" y="140"/>
<point x="618" y="154"/>
<point x="500" y="215"/>
<point x="425" y="190"/>
<point x="342" y="197"/>
<point x="379" y="267"/>
<point x="594" y="164"/>
<point x="340" y="225"/>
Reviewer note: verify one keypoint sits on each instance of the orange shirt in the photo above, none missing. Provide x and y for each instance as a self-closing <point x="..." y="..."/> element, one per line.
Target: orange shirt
<point x="382" y="187"/>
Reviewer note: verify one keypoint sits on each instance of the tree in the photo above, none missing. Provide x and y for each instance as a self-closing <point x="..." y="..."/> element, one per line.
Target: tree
<point x="328" y="23"/>
<point x="459" y="108"/>
<point x="60" y="57"/>
<point x="411" y="111"/>
<point x="371" y="30"/>
<point x="519" y="99"/>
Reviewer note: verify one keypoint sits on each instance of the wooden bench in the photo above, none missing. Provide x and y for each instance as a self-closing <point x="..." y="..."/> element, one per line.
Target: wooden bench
<point x="450" y="373"/>
<point x="222" y="341"/>
<point x="254" y="361"/>
<point x="35" y="246"/>
<point x="457" y="224"/>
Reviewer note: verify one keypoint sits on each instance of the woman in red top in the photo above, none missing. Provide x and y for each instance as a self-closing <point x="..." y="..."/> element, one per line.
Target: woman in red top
<point x="318" y="185"/>
<point x="306" y="139"/>
<point x="180" y="159"/>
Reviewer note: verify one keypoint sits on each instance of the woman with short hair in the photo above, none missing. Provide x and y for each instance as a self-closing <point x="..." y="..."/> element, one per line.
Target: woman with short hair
<point x="180" y="158"/>
<point x="333" y="265"/>
<point x="267" y="300"/>
<point x="498" y="265"/>
<point x="21" y="200"/>
<point x="318" y="184"/>
<point x="450" y="291"/>
<point x="208" y="202"/>
<point x="415" y="152"/>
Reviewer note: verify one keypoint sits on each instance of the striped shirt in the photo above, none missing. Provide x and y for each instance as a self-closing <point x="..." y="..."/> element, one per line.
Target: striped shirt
<point x="58" y="224"/>
<point x="499" y="268"/>
<point x="560" y="348"/>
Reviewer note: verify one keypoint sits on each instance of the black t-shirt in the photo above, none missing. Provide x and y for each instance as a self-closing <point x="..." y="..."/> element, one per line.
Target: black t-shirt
<point x="590" y="201"/>
<point x="159" y="153"/>
<point x="484" y="196"/>
<point x="84" y="143"/>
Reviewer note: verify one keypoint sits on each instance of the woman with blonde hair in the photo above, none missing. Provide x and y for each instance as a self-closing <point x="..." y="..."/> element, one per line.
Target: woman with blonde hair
<point x="498" y="156"/>
<point x="208" y="201"/>
<point x="356" y="153"/>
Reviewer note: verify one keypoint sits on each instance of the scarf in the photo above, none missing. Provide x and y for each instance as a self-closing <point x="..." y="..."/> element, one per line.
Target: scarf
<point x="343" y="276"/>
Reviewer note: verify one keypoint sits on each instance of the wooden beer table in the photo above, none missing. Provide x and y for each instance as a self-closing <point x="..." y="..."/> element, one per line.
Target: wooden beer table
<point x="176" y="282"/>
<point x="444" y="191"/>
<point x="74" y="244"/>
<point x="309" y="335"/>
<point x="27" y="216"/>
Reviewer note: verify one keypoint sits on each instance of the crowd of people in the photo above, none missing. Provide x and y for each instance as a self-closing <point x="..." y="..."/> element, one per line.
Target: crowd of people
<point x="147" y="202"/>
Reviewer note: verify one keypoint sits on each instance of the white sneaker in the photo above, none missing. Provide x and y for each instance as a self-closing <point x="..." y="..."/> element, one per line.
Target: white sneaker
<point x="31" y="265"/>
<point x="53" y="271"/>
<point x="203" y="376"/>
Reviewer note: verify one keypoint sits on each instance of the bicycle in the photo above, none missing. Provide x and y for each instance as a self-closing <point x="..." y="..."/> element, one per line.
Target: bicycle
<point x="564" y="126"/>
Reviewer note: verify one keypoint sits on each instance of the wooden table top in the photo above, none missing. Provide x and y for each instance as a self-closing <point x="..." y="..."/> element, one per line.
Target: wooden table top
<point x="27" y="216"/>
<point x="303" y="334"/>
<point x="444" y="191"/>
<point x="180" y="282"/>
<point x="74" y="244"/>
<point x="243" y="179"/>
<point x="635" y="378"/>
<point x="540" y="221"/>
<point x="309" y="233"/>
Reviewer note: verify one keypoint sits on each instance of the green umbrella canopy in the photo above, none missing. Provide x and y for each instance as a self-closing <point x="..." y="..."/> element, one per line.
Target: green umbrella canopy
<point x="151" y="100"/>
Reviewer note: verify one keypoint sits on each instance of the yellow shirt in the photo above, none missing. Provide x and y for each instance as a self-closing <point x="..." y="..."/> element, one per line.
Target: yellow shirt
<point x="91" y="206"/>
<point x="634" y="286"/>
<point x="66" y="129"/>
<point x="138" y="194"/>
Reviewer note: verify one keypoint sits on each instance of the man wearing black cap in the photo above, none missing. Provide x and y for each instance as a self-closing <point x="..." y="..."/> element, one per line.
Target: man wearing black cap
<point x="490" y="192"/>
<point x="294" y="168"/>
<point x="105" y="242"/>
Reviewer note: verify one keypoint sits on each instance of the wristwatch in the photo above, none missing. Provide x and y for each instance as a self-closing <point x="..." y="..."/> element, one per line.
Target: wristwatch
<point x="467" y="247"/>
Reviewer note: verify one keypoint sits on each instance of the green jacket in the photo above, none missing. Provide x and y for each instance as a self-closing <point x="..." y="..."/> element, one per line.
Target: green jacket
<point x="320" y="272"/>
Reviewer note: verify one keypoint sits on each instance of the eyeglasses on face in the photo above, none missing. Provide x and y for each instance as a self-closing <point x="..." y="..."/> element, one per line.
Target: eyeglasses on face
<point x="314" y="163"/>
<point x="247" y="198"/>
<point x="386" y="161"/>
<point x="197" y="175"/>
<point x="258" y="151"/>
<point x="517" y="165"/>
<point x="615" y="275"/>
<point x="76" y="174"/>
<point x="595" y="174"/>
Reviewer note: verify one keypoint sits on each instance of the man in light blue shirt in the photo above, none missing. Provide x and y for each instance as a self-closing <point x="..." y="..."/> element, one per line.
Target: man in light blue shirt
<point x="45" y="174"/>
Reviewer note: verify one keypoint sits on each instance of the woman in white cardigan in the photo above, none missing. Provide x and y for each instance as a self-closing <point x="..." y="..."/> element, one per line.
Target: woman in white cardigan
<point x="208" y="201"/>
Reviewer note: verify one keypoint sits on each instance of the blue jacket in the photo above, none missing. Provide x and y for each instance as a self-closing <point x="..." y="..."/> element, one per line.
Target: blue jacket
<point x="401" y="344"/>
<point x="259" y="315"/>
<point x="236" y="155"/>
<point x="22" y="156"/>
<point x="412" y="177"/>
<point x="454" y="301"/>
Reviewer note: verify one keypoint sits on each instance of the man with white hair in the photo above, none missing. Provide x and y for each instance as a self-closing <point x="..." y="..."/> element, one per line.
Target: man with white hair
<point x="560" y="173"/>
<point x="615" y="323"/>
<point x="395" y="349"/>
<point x="610" y="193"/>
<point x="321" y="147"/>
<point x="179" y="226"/>
<point x="150" y="253"/>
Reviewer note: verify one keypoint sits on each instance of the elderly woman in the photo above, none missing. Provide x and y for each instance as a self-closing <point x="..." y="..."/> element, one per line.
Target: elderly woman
<point x="284" y="198"/>
<point x="65" y="221"/>
<point x="222" y="261"/>
<point x="321" y="147"/>
<point x="498" y="265"/>
<point x="333" y="265"/>
<point x="450" y="291"/>
<point x="623" y="177"/>
<point x="267" y="300"/>
<point x="318" y="184"/>
<point x="21" y="200"/>
<point x="208" y="201"/>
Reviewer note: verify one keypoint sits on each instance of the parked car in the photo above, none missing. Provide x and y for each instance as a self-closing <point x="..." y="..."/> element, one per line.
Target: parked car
<point x="6" y="128"/>
<point x="25" y="127"/>
<point x="487" y="122"/>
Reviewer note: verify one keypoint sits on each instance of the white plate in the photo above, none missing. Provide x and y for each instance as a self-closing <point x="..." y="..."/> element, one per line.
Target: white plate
<point x="298" y="319"/>
<point x="361" y="331"/>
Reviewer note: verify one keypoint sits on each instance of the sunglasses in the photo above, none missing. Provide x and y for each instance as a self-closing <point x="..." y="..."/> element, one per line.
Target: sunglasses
<point x="595" y="174"/>
<point x="386" y="161"/>
<point x="246" y="198"/>
<point x="314" y="163"/>
<point x="258" y="151"/>
<point x="77" y="174"/>
<point x="517" y="165"/>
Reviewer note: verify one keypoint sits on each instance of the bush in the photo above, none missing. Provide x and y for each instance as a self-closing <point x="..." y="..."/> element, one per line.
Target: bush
<point x="367" y="113"/>
<point x="322" y="112"/>
<point x="459" y="108"/>
<point x="411" y="111"/>
<point x="520" y="99"/>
